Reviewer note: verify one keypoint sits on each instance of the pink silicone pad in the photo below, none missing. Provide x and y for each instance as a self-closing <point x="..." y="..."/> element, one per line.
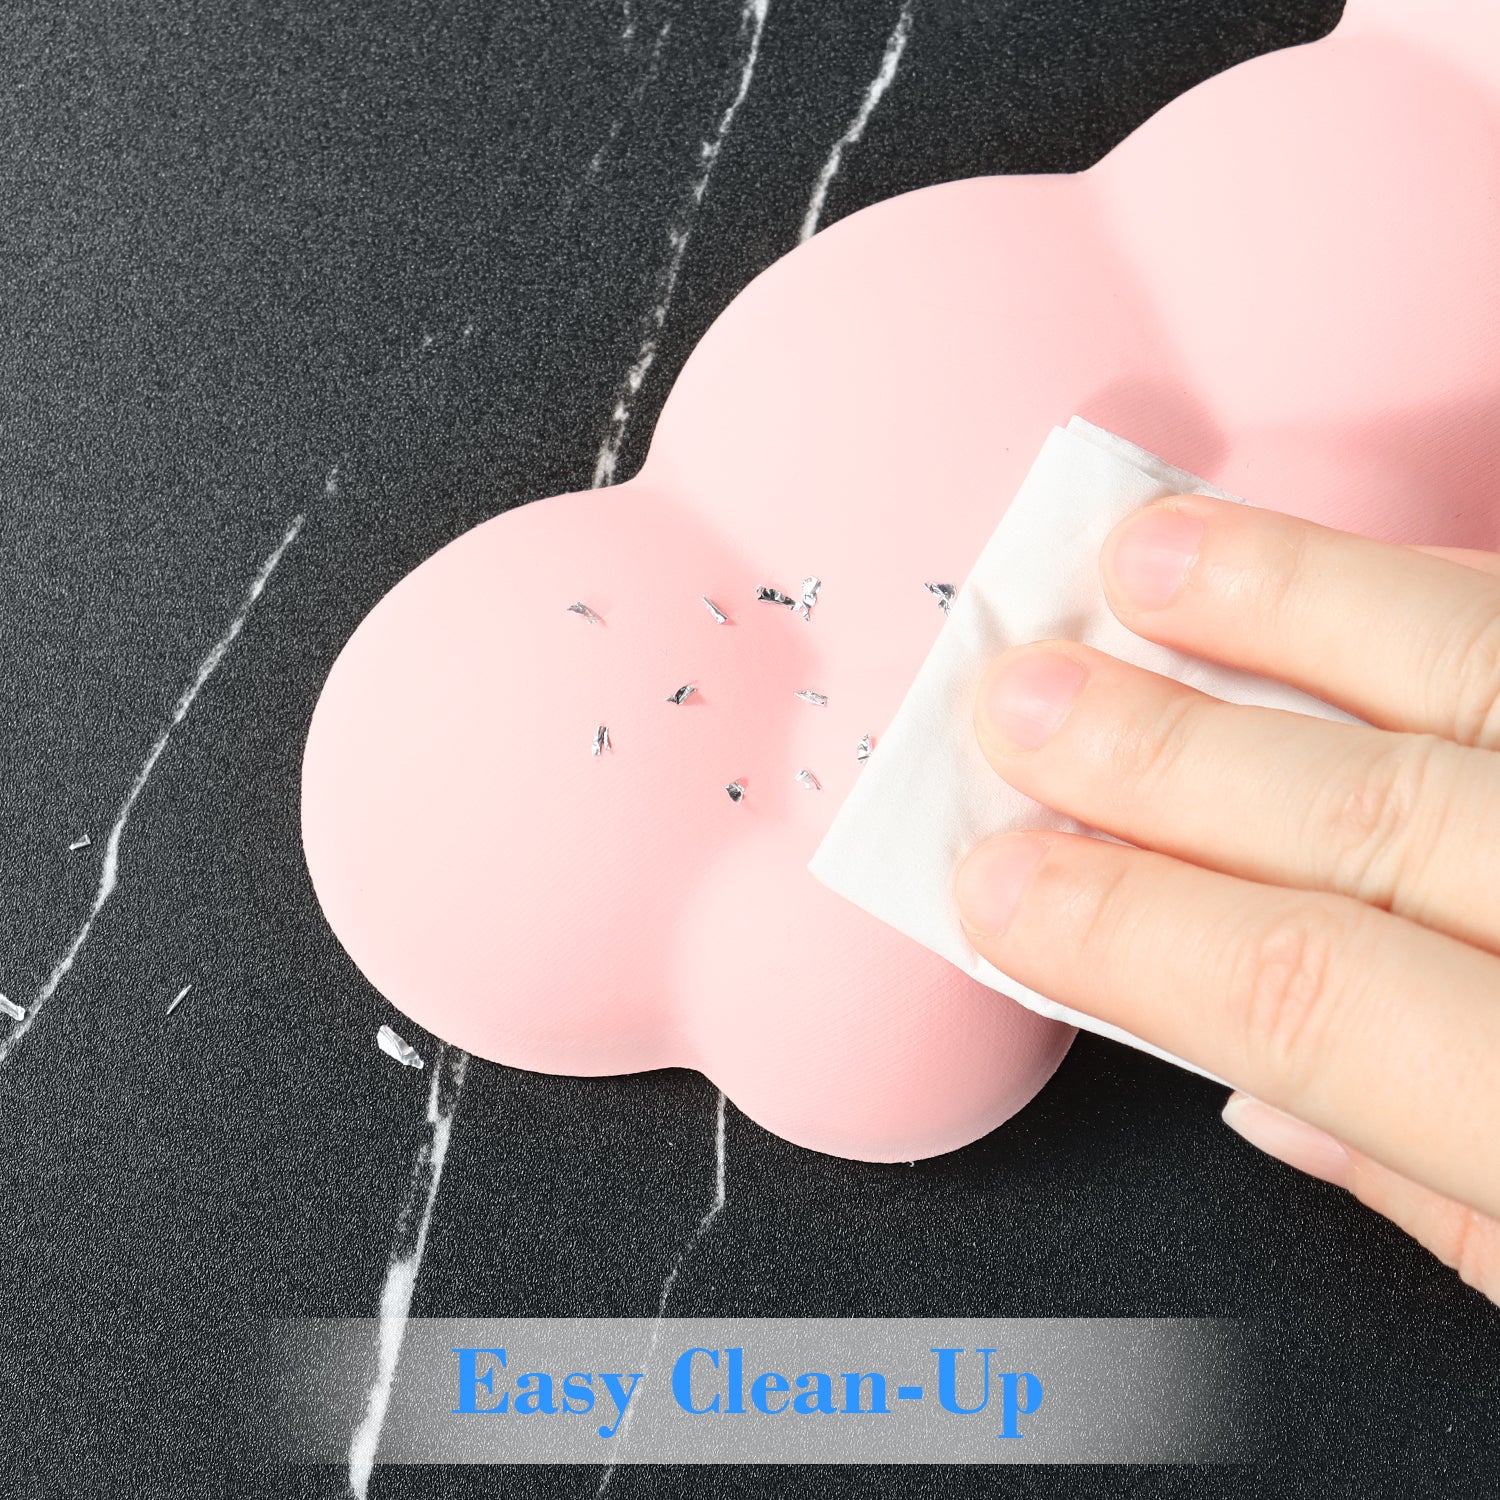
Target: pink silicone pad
<point x="1285" y="281"/>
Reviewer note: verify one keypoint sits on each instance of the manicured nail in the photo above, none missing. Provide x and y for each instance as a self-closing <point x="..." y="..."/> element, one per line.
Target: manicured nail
<point x="991" y="881"/>
<point x="1152" y="555"/>
<point x="1024" y="699"/>
<point x="1301" y="1146"/>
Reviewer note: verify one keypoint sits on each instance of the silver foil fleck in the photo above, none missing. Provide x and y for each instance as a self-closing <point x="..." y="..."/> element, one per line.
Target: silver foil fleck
<point x="682" y="694"/>
<point x="736" y="791"/>
<point x="397" y="1047"/>
<point x="580" y="608"/>
<point x="601" y="740"/>
<point x="9" y="1008"/>
<point x="81" y="842"/>
<point x="178" y="998"/>
<point x="809" y="782"/>
<point x="720" y="617"/>
<point x="944" y="593"/>
<point x="767" y="595"/>
<point x="862" y="753"/>
<point x="808" y="696"/>
<point x="810" y="587"/>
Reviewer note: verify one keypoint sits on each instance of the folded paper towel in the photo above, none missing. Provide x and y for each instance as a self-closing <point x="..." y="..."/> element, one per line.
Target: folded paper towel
<point x="927" y="794"/>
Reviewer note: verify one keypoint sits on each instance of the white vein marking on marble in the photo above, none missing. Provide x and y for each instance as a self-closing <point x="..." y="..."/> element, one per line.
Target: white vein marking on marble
<point x="715" y="1208"/>
<point x="109" y="871"/>
<point x="890" y="61"/>
<point x="637" y="93"/>
<point x="405" y="1261"/>
<point x="752" y="26"/>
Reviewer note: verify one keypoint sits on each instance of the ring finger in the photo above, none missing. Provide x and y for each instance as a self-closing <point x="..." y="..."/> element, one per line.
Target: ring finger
<point x="1352" y="1020"/>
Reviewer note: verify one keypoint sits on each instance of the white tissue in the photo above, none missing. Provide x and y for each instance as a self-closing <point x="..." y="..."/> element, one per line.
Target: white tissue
<point x="928" y="795"/>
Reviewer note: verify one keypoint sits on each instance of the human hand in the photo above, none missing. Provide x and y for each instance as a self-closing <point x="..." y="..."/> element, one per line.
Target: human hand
<point x="1312" y="910"/>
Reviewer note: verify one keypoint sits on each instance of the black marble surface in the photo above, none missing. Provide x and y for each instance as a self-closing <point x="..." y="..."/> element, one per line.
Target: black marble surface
<point x="244" y="247"/>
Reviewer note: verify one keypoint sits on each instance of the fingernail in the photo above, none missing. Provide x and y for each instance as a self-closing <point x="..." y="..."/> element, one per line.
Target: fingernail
<point x="1153" y="554"/>
<point x="991" y="881"/>
<point x="1025" y="699"/>
<point x="1301" y="1146"/>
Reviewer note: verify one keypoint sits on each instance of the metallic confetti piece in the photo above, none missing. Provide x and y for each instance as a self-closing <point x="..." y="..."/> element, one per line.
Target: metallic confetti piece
<point x="810" y="783"/>
<point x="397" y="1047"/>
<point x="720" y="617"/>
<point x="683" y="693"/>
<point x="581" y="608"/>
<point x="81" y="842"/>
<point x="862" y="754"/>
<point x="601" y="740"/>
<point x="180" y="997"/>
<point x="944" y="593"/>
<point x="736" y="791"/>
<point x="808" y="696"/>
<point x="9" y="1008"/>
<point x="810" y="587"/>
<point x="767" y="595"/>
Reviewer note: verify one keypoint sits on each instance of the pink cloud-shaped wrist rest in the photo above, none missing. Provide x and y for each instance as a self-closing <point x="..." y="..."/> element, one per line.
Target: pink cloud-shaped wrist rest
<point x="1285" y="281"/>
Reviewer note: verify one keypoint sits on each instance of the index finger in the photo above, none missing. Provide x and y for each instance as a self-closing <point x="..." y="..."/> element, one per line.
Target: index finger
<point x="1404" y="638"/>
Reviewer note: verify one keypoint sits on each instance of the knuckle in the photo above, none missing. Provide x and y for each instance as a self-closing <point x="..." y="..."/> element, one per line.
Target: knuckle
<point x="1279" y="578"/>
<point x="1149" y="751"/>
<point x="1474" y="668"/>
<point x="1285" y="989"/>
<point x="1102" y="912"/>
<point x="1371" y="823"/>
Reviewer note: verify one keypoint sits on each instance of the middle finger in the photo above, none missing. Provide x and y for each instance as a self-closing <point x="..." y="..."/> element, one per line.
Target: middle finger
<point x="1390" y="819"/>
